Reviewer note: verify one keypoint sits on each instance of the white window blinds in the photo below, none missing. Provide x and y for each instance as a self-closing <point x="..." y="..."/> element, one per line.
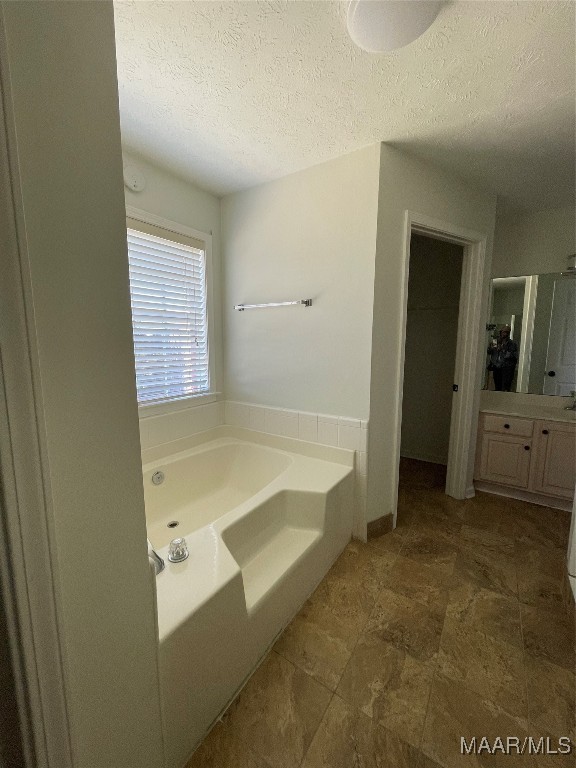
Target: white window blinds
<point x="168" y="294"/>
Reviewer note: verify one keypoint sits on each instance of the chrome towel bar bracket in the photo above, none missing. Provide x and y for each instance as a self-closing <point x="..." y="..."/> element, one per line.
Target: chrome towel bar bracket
<point x="304" y="302"/>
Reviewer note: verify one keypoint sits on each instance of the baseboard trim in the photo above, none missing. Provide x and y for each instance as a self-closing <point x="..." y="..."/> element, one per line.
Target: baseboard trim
<point x="521" y="495"/>
<point x="380" y="526"/>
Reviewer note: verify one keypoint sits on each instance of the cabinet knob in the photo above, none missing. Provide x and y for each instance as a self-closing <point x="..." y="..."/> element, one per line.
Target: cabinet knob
<point x="552" y="373"/>
<point x="526" y="447"/>
<point x="544" y="431"/>
<point x="506" y="426"/>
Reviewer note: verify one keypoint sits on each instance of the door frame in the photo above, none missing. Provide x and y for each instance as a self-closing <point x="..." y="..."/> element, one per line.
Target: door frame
<point x="465" y="402"/>
<point x="30" y="582"/>
<point x="567" y="281"/>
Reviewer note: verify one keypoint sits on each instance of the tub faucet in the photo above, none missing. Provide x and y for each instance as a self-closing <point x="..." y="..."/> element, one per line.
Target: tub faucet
<point x="155" y="559"/>
<point x="178" y="550"/>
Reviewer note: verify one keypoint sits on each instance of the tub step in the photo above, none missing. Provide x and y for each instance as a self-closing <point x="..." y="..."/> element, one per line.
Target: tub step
<point x="280" y="555"/>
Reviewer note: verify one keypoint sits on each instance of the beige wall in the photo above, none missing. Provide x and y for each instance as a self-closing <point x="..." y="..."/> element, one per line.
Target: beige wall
<point x="431" y="330"/>
<point x="533" y="243"/>
<point x="308" y="235"/>
<point x="406" y="183"/>
<point x="169" y="197"/>
<point x="65" y="108"/>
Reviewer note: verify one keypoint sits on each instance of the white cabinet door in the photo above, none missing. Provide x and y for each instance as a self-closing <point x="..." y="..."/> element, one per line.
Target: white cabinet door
<point x="561" y="359"/>
<point x="555" y="461"/>
<point x="505" y="459"/>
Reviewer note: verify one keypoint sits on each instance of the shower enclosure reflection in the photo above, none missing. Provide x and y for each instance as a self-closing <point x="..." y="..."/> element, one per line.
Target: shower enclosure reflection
<point x="540" y="311"/>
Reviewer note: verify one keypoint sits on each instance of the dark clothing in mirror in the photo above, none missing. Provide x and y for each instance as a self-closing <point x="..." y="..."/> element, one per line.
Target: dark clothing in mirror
<point x="502" y="362"/>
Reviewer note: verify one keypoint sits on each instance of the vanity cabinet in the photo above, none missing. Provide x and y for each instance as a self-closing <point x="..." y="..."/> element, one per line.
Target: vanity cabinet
<point x="505" y="459"/>
<point x="555" y="463"/>
<point x="531" y="455"/>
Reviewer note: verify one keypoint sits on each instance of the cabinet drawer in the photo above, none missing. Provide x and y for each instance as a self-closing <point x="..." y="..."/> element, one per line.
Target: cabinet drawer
<point x="508" y="425"/>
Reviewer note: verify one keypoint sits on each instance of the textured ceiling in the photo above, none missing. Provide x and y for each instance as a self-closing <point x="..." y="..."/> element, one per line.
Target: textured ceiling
<point x="232" y="94"/>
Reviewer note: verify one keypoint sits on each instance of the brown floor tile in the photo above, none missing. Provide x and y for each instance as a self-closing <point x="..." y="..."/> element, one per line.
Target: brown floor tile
<point x="491" y="512"/>
<point x="368" y="564"/>
<point x="440" y="505"/>
<point x="224" y="748"/>
<point x="496" y="574"/>
<point x="551" y="697"/>
<point x="407" y="509"/>
<point x="405" y="521"/>
<point x="549" y="636"/>
<point x="322" y="636"/>
<point x="445" y="528"/>
<point x="541" y="576"/>
<point x="428" y="547"/>
<point x="541" y="527"/>
<point x="318" y="645"/>
<point x="437" y="505"/>
<point x="454" y="712"/>
<point x="564" y="521"/>
<point x="347" y="738"/>
<point x="388" y="685"/>
<point x="480" y="662"/>
<point x="349" y="597"/>
<point x="487" y="559"/>
<point x="425" y="584"/>
<point x="406" y="624"/>
<point x="491" y="542"/>
<point x="279" y="711"/>
<point x="482" y="609"/>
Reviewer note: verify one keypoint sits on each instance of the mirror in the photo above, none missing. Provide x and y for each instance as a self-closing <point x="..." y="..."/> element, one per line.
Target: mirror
<point x="531" y="334"/>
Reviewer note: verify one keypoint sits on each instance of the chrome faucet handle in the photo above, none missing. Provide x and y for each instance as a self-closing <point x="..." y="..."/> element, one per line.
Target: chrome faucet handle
<point x="178" y="550"/>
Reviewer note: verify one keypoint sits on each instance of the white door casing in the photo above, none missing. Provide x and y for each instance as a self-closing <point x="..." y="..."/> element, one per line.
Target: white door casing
<point x="561" y="357"/>
<point x="470" y="354"/>
<point x="26" y="541"/>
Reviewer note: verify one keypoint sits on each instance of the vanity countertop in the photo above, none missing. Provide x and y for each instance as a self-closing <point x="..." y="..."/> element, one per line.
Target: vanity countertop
<point x="548" y="413"/>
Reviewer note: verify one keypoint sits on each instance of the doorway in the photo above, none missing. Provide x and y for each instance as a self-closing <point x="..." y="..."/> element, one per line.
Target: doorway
<point x="432" y="314"/>
<point x="469" y="356"/>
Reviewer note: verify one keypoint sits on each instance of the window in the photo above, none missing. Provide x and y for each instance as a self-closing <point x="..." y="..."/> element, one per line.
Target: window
<point x="169" y="313"/>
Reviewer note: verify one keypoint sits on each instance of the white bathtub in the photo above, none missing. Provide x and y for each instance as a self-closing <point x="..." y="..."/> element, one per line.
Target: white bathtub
<point x="203" y="484"/>
<point x="264" y="518"/>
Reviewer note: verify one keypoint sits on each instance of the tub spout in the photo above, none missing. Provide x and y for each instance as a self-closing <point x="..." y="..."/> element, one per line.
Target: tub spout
<point x="155" y="559"/>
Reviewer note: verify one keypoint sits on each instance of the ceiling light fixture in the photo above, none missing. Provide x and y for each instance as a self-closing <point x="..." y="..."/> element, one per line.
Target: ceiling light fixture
<point x="381" y="26"/>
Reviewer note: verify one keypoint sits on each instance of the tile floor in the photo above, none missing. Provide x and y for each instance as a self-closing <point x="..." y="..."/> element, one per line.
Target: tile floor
<point x="459" y="623"/>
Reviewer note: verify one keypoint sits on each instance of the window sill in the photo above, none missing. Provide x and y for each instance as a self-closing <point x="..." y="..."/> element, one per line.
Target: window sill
<point x="184" y="403"/>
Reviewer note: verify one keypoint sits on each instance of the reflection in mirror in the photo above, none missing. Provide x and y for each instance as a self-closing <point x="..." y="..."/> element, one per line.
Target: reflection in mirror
<point x="531" y="334"/>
